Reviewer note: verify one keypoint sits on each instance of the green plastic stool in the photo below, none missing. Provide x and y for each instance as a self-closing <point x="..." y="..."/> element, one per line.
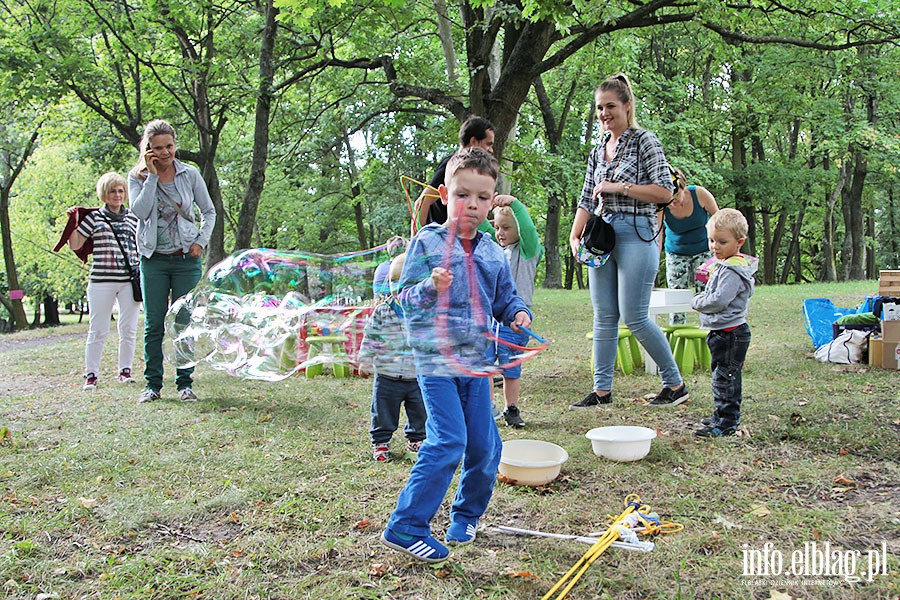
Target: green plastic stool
<point x="668" y="330"/>
<point x="628" y="352"/>
<point x="690" y="349"/>
<point x="328" y="345"/>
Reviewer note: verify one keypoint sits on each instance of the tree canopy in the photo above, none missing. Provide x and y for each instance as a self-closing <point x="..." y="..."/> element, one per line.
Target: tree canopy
<point x="303" y="115"/>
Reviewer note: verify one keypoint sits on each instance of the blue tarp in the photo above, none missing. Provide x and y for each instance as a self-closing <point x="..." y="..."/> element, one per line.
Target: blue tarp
<point x="820" y="313"/>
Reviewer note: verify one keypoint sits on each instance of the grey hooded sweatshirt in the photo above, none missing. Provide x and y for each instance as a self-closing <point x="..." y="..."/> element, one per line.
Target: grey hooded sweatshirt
<point x="724" y="302"/>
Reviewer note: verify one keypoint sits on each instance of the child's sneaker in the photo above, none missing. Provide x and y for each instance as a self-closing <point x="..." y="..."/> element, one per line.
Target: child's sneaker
<point x="125" y="376"/>
<point x="427" y="549"/>
<point x="712" y="431"/>
<point x="381" y="452"/>
<point x="513" y="417"/>
<point x="90" y="382"/>
<point x="670" y="397"/>
<point x="460" y="534"/>
<point x="413" y="446"/>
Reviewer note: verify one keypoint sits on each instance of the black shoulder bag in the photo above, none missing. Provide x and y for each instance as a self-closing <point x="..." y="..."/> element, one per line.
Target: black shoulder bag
<point x="133" y="274"/>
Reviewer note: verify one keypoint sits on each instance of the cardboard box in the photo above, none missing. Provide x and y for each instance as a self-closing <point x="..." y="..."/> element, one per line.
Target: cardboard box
<point x="884" y="354"/>
<point x="890" y="331"/>
<point x="890" y="355"/>
<point x="889" y="283"/>
<point x="876" y="351"/>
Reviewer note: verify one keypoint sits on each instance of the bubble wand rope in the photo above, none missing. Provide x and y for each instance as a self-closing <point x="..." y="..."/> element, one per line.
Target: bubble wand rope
<point x="632" y="503"/>
<point x="441" y="325"/>
<point x="430" y="192"/>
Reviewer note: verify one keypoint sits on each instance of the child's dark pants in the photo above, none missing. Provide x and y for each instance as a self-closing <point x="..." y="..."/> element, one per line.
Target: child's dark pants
<point x="728" y="350"/>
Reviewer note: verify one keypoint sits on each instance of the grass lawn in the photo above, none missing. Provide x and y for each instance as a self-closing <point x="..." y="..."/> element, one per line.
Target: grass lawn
<point x="268" y="490"/>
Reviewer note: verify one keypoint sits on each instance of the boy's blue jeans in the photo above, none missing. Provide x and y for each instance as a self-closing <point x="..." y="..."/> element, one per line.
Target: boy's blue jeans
<point x="388" y="395"/>
<point x="460" y="426"/>
<point x="164" y="278"/>
<point x="621" y="288"/>
<point x="728" y="350"/>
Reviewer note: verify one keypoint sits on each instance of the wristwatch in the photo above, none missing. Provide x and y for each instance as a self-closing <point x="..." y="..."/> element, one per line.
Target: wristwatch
<point x="626" y="188"/>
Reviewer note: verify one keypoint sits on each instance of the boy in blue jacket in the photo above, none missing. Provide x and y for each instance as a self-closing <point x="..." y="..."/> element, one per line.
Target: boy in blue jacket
<point x="448" y="312"/>
<point x="723" y="310"/>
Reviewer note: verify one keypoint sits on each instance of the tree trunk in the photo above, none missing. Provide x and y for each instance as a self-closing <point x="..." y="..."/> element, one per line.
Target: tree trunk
<point x="829" y="268"/>
<point x="257" y="178"/>
<point x="51" y="312"/>
<point x="12" y="168"/>
<point x="553" y="131"/>
<point x="853" y="217"/>
<point x="792" y="260"/>
<point x="445" y="34"/>
<point x="355" y="189"/>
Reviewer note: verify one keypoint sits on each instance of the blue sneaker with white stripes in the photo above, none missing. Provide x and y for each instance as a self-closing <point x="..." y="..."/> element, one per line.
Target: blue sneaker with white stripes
<point x="426" y="549"/>
<point x="460" y="534"/>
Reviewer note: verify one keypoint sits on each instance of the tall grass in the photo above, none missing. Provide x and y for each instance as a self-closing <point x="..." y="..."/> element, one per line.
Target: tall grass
<point x="268" y="490"/>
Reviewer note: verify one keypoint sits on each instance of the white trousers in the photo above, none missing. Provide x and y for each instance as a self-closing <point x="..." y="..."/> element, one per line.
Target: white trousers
<point x="101" y="298"/>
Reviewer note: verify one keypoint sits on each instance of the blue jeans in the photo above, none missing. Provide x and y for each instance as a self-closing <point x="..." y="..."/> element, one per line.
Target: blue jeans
<point x="460" y="426"/>
<point x="621" y="289"/>
<point x="728" y="350"/>
<point x="164" y="279"/>
<point x="501" y="354"/>
<point x="388" y="395"/>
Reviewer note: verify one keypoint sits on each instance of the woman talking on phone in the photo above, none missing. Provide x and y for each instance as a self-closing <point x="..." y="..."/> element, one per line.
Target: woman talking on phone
<point x="164" y="192"/>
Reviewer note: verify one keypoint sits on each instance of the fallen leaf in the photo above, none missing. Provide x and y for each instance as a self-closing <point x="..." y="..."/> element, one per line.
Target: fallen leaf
<point x="234" y="518"/>
<point x="725" y="522"/>
<point x="527" y="574"/>
<point x="87" y="502"/>
<point x="378" y="570"/>
<point x="844" y="480"/>
<point x="759" y="510"/>
<point x="504" y="479"/>
<point x="361" y="525"/>
<point x="843" y="452"/>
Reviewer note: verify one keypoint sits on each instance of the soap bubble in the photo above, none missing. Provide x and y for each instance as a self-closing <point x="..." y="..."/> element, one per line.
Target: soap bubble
<point x="267" y="314"/>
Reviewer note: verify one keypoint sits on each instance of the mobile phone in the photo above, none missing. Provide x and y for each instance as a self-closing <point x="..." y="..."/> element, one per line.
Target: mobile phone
<point x="148" y="145"/>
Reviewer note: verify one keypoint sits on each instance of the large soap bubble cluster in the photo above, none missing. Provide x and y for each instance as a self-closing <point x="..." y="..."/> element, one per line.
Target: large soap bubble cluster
<point x="266" y="314"/>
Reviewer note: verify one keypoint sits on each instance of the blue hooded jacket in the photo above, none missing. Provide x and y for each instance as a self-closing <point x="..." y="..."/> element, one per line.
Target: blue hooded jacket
<point x="462" y="328"/>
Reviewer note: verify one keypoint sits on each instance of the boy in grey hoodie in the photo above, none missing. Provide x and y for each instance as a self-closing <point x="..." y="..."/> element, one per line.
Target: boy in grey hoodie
<point x="723" y="310"/>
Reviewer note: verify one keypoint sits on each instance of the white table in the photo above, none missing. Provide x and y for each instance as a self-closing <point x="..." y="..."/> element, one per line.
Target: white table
<point x="664" y="302"/>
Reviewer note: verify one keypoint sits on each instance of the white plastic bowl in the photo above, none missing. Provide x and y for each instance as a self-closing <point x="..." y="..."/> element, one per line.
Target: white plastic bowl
<point x="621" y="442"/>
<point x="531" y="462"/>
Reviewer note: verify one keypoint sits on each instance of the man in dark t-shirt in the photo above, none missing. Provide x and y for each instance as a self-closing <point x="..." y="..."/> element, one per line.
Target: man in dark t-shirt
<point x="475" y="131"/>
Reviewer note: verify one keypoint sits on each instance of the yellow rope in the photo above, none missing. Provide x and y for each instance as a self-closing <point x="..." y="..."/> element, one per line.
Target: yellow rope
<point x="650" y="525"/>
<point x="430" y="192"/>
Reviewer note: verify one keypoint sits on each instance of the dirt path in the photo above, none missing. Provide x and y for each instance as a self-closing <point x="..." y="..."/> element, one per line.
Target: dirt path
<point x="8" y="344"/>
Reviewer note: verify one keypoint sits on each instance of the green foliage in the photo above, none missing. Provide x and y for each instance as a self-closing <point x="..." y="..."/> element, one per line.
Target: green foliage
<point x="795" y="111"/>
<point x="51" y="183"/>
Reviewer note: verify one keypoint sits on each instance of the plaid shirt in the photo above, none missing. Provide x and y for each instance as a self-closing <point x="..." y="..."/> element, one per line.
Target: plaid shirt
<point x="639" y="160"/>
